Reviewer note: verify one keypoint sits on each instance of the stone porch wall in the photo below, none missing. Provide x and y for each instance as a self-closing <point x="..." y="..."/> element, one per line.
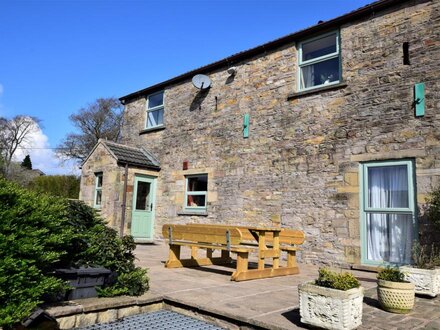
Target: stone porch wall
<point x="299" y="166"/>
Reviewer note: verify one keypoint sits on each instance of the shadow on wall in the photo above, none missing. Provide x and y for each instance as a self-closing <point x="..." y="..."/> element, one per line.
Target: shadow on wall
<point x="196" y="104"/>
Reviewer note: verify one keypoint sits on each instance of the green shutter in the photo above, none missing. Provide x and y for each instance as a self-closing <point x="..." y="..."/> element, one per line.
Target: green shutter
<point x="419" y="99"/>
<point x="246" y="126"/>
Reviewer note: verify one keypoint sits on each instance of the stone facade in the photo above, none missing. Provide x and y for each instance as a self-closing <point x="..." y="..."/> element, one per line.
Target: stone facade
<point x="299" y="167"/>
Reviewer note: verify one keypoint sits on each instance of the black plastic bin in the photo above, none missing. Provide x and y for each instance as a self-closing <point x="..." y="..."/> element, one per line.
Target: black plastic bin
<point x="83" y="281"/>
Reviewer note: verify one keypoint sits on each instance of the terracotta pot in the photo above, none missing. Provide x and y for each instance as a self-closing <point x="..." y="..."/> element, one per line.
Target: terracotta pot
<point x="396" y="297"/>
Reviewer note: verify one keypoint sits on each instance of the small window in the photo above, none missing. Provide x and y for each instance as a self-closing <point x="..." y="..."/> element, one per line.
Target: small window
<point x="196" y="192"/>
<point x="319" y="61"/>
<point x="154" y="110"/>
<point x="98" y="190"/>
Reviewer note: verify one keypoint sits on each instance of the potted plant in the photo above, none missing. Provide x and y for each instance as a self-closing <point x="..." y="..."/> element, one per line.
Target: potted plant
<point x="333" y="301"/>
<point x="395" y="294"/>
<point x="425" y="271"/>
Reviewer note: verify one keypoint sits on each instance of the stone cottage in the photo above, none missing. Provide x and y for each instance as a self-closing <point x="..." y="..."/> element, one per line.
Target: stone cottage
<point x="333" y="130"/>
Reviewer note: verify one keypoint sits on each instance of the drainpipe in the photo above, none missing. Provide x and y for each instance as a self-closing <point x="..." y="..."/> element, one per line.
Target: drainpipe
<point x="124" y="200"/>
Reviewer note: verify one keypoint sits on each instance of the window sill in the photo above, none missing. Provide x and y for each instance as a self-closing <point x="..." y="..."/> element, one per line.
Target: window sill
<point x="189" y="213"/>
<point x="152" y="129"/>
<point x="316" y="90"/>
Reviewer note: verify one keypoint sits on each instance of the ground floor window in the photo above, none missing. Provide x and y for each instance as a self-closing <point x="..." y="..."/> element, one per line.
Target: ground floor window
<point x="196" y="192"/>
<point x="98" y="190"/>
<point x="388" y="212"/>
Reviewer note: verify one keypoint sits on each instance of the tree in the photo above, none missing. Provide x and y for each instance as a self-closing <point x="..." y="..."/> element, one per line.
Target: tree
<point x="101" y="119"/>
<point x="27" y="163"/>
<point x="14" y="133"/>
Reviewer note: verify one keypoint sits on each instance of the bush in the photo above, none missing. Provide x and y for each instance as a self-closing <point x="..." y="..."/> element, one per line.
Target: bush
<point x="40" y="233"/>
<point x="425" y="256"/>
<point x="391" y="274"/>
<point x="57" y="185"/>
<point x="338" y="281"/>
<point x="433" y="207"/>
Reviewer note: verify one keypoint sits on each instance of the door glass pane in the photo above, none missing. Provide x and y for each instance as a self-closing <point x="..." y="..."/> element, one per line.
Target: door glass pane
<point x="388" y="187"/>
<point x="320" y="73"/>
<point x="389" y="237"/>
<point x="198" y="183"/>
<point x="155" y="118"/>
<point x="143" y="196"/>
<point x="319" y="47"/>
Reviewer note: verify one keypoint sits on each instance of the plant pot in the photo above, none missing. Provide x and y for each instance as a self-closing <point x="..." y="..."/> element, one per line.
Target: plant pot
<point x="83" y="281"/>
<point x="426" y="281"/>
<point x="396" y="297"/>
<point x="330" y="308"/>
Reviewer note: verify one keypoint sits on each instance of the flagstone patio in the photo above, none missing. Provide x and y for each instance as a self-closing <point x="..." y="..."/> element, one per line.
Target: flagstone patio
<point x="268" y="303"/>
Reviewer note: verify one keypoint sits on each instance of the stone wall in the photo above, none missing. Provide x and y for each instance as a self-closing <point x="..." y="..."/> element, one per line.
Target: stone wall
<point x="300" y="165"/>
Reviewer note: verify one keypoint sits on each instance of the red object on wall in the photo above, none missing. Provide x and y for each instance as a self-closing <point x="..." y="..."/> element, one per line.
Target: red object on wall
<point x="185" y="165"/>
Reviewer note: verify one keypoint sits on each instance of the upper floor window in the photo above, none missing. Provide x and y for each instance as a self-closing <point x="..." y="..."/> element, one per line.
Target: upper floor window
<point x="196" y="192"/>
<point x="155" y="110"/>
<point x="98" y="190"/>
<point x="319" y="61"/>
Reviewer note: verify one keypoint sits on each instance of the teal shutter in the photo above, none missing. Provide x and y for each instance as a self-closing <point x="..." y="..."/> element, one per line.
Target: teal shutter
<point x="246" y="126"/>
<point x="419" y="99"/>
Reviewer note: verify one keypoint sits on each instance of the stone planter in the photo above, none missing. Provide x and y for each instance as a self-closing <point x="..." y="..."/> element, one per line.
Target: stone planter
<point x="396" y="297"/>
<point x="426" y="281"/>
<point x="329" y="308"/>
<point x="83" y="281"/>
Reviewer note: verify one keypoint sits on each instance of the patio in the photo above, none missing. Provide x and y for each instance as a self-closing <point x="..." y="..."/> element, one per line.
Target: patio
<point x="267" y="303"/>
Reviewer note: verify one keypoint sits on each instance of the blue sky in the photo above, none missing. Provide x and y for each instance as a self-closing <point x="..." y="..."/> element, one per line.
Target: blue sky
<point x="58" y="56"/>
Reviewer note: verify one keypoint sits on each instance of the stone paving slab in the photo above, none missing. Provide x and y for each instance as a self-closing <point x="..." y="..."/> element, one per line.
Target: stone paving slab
<point x="269" y="303"/>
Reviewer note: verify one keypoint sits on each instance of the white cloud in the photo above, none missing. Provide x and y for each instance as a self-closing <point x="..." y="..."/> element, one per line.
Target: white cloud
<point x="43" y="158"/>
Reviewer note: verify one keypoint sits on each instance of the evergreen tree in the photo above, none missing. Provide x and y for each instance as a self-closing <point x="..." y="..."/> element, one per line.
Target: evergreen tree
<point x="27" y="162"/>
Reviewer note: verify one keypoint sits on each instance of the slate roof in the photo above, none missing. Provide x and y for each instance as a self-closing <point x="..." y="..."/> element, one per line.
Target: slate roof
<point x="369" y="10"/>
<point x="132" y="155"/>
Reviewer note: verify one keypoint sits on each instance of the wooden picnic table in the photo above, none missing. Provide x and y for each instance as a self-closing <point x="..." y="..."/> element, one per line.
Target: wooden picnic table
<point x="242" y="240"/>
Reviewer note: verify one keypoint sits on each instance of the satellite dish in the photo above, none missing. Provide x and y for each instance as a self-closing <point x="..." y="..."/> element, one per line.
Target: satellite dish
<point x="201" y="81"/>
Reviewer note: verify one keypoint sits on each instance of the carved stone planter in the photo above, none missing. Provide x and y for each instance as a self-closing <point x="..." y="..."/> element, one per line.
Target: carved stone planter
<point x="329" y="308"/>
<point x="426" y="281"/>
<point x="396" y="297"/>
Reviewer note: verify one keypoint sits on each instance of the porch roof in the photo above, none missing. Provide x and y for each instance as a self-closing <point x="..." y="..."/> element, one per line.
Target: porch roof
<point x="132" y="155"/>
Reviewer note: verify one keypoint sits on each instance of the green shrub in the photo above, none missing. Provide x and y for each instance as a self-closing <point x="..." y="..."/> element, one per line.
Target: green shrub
<point x="39" y="233"/>
<point x="57" y="185"/>
<point x="392" y="274"/>
<point x="338" y="281"/>
<point x="433" y="207"/>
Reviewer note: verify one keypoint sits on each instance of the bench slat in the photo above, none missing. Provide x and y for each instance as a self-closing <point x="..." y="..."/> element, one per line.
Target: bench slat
<point x="202" y="234"/>
<point x="214" y="247"/>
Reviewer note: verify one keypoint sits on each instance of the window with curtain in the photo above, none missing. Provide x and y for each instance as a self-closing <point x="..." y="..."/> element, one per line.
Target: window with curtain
<point x="155" y="109"/>
<point x="196" y="192"/>
<point x="389" y="212"/>
<point x="98" y="190"/>
<point x="319" y="61"/>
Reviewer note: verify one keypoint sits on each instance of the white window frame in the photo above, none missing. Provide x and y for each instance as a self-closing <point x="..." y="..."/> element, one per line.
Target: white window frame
<point x="195" y="193"/>
<point x="323" y="58"/>
<point x="156" y="108"/>
<point x="98" y="188"/>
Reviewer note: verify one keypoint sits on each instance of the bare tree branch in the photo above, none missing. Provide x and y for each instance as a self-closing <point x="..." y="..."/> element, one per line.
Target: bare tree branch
<point x="100" y="119"/>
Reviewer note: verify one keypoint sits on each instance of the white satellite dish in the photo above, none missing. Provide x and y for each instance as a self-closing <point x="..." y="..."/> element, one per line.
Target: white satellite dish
<point x="201" y="81"/>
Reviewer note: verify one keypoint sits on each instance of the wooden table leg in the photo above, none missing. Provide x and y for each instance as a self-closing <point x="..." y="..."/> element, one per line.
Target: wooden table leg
<point x="173" y="256"/>
<point x="261" y="247"/>
<point x="194" y="252"/>
<point x="276" y="247"/>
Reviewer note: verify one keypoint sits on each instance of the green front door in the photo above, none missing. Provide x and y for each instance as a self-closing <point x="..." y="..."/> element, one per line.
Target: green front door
<point x="142" y="223"/>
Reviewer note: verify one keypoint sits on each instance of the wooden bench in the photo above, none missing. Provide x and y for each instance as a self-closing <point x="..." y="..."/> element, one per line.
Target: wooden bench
<point x="289" y="240"/>
<point x="226" y="240"/>
<point x="239" y="240"/>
